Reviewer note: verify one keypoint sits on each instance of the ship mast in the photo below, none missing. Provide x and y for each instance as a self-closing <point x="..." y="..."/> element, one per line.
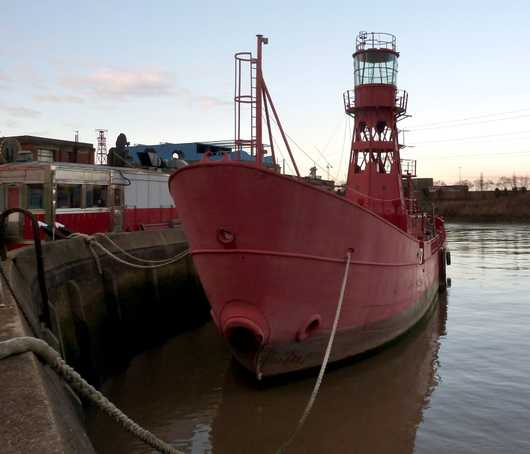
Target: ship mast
<point x="252" y="99"/>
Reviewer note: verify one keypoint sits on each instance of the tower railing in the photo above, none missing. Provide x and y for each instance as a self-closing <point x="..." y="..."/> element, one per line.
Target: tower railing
<point x="408" y="167"/>
<point x="412" y="206"/>
<point x="401" y="101"/>
<point x="375" y="40"/>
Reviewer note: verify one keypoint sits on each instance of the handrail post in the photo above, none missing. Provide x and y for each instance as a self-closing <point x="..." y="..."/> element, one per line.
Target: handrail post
<point x="44" y="316"/>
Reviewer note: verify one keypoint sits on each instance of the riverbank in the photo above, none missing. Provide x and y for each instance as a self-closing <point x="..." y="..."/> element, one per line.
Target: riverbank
<point x="482" y="206"/>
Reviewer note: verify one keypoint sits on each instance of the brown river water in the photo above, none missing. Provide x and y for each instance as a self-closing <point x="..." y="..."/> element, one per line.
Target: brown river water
<point x="459" y="382"/>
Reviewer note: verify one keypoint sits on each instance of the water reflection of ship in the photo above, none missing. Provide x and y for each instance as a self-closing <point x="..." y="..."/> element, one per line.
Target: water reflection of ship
<point x="372" y="405"/>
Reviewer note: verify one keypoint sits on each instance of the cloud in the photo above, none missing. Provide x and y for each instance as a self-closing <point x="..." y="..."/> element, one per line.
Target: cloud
<point x="27" y="73"/>
<point x="4" y="80"/>
<point x="122" y="83"/>
<point x="113" y="83"/>
<point x="21" y="112"/>
<point x="210" y="102"/>
<point x="59" y="99"/>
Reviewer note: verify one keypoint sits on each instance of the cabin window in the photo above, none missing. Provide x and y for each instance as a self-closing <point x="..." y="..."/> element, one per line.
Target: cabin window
<point x="117" y="197"/>
<point x="35" y="196"/>
<point x="68" y="196"/>
<point x="2" y="198"/>
<point x="96" y="196"/>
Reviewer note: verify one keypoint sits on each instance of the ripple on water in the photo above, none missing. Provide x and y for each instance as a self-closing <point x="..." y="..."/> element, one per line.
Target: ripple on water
<point x="458" y="383"/>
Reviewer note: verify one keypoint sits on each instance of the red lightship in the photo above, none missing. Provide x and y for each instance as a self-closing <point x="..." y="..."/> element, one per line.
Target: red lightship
<point x="271" y="248"/>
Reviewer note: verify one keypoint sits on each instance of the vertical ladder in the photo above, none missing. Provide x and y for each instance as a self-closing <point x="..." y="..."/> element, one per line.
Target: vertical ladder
<point x="245" y="97"/>
<point x="253" y="63"/>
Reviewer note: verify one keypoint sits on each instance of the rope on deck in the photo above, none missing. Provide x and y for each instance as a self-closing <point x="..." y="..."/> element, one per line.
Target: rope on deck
<point x="327" y="354"/>
<point x="149" y="264"/>
<point x="49" y="356"/>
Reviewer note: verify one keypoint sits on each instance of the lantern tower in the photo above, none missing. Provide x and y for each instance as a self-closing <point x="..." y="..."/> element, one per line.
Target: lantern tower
<point x="374" y="173"/>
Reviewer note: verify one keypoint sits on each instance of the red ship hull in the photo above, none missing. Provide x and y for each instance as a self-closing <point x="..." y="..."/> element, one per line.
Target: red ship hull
<point x="271" y="251"/>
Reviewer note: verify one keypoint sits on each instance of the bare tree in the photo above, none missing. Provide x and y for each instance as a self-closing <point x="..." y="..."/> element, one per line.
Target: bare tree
<point x="523" y="181"/>
<point x="504" y="182"/>
<point x="488" y="185"/>
<point x="467" y="183"/>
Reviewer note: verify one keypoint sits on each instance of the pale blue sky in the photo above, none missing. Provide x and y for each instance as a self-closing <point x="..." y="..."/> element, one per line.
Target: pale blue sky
<point x="163" y="71"/>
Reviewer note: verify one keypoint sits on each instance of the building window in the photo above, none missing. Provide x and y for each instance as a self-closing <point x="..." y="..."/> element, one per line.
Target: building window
<point x="96" y="196"/>
<point x="44" y="155"/>
<point x="82" y="156"/>
<point x="68" y="196"/>
<point x="35" y="196"/>
<point x="117" y="196"/>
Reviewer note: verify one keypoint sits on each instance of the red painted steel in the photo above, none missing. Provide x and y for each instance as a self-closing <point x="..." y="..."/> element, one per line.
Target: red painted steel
<point x="258" y="101"/>
<point x="282" y="132"/>
<point x="27" y="235"/>
<point x="134" y="218"/>
<point x="86" y="222"/>
<point x="270" y="249"/>
<point x="83" y="221"/>
<point x="13" y="197"/>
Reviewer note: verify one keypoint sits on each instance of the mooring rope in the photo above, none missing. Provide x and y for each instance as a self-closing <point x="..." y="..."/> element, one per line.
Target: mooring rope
<point x="92" y="241"/>
<point x="327" y="354"/>
<point x="128" y="254"/>
<point x="174" y="259"/>
<point x="52" y="358"/>
<point x="117" y="246"/>
<point x="49" y="356"/>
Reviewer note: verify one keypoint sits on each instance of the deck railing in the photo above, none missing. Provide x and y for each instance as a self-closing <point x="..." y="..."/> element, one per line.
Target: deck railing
<point x="408" y="167"/>
<point x="375" y="40"/>
<point x="400" y="104"/>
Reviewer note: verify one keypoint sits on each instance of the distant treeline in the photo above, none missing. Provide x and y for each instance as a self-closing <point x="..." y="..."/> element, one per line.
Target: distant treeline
<point x="487" y="184"/>
<point x="496" y="206"/>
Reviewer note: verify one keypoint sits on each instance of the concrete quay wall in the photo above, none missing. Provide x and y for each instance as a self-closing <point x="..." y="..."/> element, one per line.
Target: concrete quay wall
<point x="98" y="322"/>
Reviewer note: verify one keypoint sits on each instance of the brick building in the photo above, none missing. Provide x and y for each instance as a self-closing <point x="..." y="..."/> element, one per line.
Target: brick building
<point x="45" y="149"/>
